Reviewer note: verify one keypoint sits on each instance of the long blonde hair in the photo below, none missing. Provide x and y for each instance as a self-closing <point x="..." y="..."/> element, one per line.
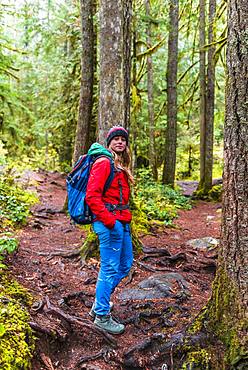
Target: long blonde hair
<point x="123" y="162"/>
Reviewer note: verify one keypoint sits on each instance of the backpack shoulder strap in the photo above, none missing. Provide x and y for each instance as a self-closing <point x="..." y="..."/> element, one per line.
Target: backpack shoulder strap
<point x="112" y="171"/>
<point x="111" y="176"/>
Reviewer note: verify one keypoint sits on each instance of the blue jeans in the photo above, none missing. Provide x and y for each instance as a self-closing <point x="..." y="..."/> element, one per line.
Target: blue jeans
<point x="116" y="253"/>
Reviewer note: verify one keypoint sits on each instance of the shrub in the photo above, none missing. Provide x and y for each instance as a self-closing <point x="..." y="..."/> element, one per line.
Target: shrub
<point x="158" y="201"/>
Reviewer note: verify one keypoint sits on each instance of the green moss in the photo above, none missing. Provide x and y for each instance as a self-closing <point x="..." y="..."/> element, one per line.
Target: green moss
<point x="214" y="194"/>
<point x="17" y="339"/>
<point x="198" y="322"/>
<point x="90" y="245"/>
<point x="200" y="359"/>
<point x="224" y="318"/>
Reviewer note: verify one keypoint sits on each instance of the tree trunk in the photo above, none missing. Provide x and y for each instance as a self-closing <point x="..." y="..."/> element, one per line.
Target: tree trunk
<point x="171" y="131"/>
<point x="87" y="79"/>
<point x="210" y="94"/>
<point x="202" y="42"/>
<point x="94" y="117"/>
<point x="230" y="293"/>
<point x="114" y="54"/>
<point x="152" y="150"/>
<point x="135" y="97"/>
<point x="127" y="41"/>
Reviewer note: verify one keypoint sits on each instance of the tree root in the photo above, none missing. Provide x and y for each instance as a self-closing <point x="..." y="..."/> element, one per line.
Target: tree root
<point x="105" y="353"/>
<point x="50" y="332"/>
<point x="156" y="252"/>
<point x="47" y="361"/>
<point x="83" y="296"/>
<point x="59" y="252"/>
<point x="153" y="269"/>
<point x="130" y="276"/>
<point x="157" y="350"/>
<point x="79" y="321"/>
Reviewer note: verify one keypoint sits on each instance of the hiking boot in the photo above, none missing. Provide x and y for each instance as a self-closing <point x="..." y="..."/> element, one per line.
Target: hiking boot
<point x="92" y="312"/>
<point x="106" y="322"/>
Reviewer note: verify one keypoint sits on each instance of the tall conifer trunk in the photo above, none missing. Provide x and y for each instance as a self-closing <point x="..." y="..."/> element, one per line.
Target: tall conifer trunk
<point x="87" y="79"/>
<point x="210" y="95"/>
<point x="228" y="307"/>
<point x="152" y="150"/>
<point x="171" y="131"/>
<point x="115" y="46"/>
<point x="202" y="76"/>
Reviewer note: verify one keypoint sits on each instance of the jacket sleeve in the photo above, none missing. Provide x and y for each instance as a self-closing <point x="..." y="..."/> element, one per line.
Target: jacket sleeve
<point x="99" y="174"/>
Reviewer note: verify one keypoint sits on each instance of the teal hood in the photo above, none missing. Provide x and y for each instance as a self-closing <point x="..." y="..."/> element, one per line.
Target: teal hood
<point x="98" y="149"/>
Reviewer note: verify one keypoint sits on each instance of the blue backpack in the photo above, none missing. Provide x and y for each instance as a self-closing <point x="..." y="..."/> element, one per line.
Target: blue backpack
<point x="77" y="181"/>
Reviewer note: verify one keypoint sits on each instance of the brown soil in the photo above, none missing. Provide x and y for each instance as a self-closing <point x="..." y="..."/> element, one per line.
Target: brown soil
<point x="69" y="286"/>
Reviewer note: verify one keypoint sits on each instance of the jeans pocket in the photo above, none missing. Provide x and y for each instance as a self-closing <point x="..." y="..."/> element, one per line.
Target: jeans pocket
<point x="117" y="230"/>
<point x="99" y="227"/>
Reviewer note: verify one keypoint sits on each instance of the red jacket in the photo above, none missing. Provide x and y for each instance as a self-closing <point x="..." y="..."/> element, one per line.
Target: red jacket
<point x="95" y="198"/>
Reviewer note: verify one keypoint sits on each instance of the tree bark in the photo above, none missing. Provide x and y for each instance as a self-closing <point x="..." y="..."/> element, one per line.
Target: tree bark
<point x="171" y="131"/>
<point x="114" y="71"/>
<point x="127" y="65"/>
<point x="134" y="89"/>
<point x="152" y="150"/>
<point x="87" y="78"/>
<point x="210" y="99"/>
<point x="230" y="293"/>
<point x="202" y="77"/>
<point x="94" y="117"/>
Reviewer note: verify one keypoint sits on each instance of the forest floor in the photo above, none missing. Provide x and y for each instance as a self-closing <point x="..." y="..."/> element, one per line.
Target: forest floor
<point x="48" y="264"/>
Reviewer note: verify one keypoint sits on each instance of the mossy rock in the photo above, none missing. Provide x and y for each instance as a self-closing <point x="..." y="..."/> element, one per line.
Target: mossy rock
<point x="214" y="194"/>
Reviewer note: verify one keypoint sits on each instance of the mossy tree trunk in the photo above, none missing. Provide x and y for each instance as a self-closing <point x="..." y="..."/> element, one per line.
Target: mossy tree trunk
<point x="227" y="309"/>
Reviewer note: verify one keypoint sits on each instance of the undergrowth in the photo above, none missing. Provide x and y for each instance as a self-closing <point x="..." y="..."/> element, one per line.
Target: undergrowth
<point x="16" y="337"/>
<point x="15" y="203"/>
<point x="157" y="201"/>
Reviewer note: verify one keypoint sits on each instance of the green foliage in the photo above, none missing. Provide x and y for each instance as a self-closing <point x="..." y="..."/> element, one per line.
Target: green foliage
<point x="157" y="201"/>
<point x="199" y="359"/>
<point x="16" y="337"/>
<point x="214" y="194"/>
<point x="14" y="203"/>
<point x="7" y="245"/>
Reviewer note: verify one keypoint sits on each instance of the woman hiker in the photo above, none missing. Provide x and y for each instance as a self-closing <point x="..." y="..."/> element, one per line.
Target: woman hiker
<point x="111" y="223"/>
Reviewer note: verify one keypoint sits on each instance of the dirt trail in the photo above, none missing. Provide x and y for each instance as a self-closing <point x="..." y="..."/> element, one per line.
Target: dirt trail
<point x="68" y="287"/>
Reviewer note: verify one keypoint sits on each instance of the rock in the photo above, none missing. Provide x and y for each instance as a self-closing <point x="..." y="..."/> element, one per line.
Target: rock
<point x="203" y="243"/>
<point x="210" y="218"/>
<point x="156" y="286"/>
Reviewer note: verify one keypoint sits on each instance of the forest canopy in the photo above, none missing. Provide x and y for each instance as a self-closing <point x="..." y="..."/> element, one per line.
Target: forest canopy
<point x="40" y="82"/>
